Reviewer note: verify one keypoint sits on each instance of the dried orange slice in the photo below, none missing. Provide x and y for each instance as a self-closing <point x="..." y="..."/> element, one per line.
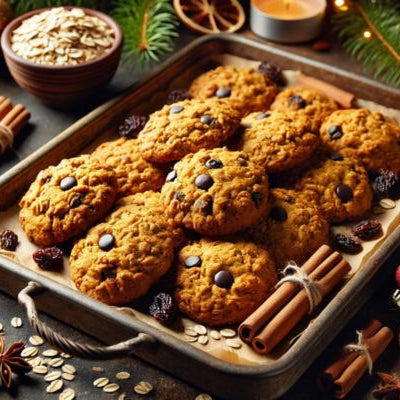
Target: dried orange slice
<point x="210" y="16"/>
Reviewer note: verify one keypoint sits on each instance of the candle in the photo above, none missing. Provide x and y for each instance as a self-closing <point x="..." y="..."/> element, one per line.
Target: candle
<point x="286" y="9"/>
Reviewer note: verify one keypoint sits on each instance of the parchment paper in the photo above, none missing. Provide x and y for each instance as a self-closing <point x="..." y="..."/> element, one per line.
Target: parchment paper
<point x="389" y="220"/>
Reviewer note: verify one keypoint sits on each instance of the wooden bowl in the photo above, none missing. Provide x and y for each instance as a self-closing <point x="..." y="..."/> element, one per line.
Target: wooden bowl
<point x="59" y="85"/>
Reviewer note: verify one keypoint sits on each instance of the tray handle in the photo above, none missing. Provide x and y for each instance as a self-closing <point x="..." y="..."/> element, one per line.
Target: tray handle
<point x="81" y="350"/>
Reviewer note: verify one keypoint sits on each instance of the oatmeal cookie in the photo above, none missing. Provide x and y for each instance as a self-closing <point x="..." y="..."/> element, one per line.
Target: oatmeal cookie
<point x="311" y="103"/>
<point x="279" y="141"/>
<point x="121" y="258"/>
<point x="216" y="192"/>
<point x="134" y="174"/>
<point x="365" y="136"/>
<point x="293" y="229"/>
<point x="245" y="88"/>
<point x="339" y="187"/>
<point x="186" y="127"/>
<point x="222" y="283"/>
<point x="66" y="199"/>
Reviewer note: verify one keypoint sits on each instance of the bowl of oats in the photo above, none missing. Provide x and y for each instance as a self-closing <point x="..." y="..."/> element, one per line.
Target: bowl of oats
<point x="62" y="54"/>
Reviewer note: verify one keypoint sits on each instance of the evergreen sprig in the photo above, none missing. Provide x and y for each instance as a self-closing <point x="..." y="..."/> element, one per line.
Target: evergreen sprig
<point x="379" y="54"/>
<point x="150" y="27"/>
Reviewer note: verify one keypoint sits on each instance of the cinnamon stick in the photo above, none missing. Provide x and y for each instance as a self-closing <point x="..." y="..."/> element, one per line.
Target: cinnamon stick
<point x="342" y="97"/>
<point x="249" y="328"/>
<point x="19" y="121"/>
<point x="295" y="310"/>
<point x="5" y="107"/>
<point x="16" y="110"/>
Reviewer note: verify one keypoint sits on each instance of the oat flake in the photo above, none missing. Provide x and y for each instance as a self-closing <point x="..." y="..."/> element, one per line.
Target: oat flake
<point x="228" y="333"/>
<point x="143" y="387"/>
<point x="55" y="386"/>
<point x="40" y="369"/>
<point x="67" y="394"/>
<point x="387" y="204"/>
<point x="29" y="352"/>
<point x="200" y="329"/>
<point x="67" y="376"/>
<point x="50" y="353"/>
<point x="16" y="322"/>
<point x="36" y="340"/>
<point x="203" y="339"/>
<point x="56" y="362"/>
<point x="215" y="335"/>
<point x="123" y="375"/>
<point x="234" y="343"/>
<point x="203" y="396"/>
<point x="111" y="388"/>
<point x="101" y="382"/>
<point x="190" y="332"/>
<point x="69" y="369"/>
<point x="52" y="376"/>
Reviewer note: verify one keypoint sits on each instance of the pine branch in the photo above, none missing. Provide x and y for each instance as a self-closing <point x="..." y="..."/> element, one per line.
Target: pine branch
<point x="379" y="54"/>
<point x="150" y="27"/>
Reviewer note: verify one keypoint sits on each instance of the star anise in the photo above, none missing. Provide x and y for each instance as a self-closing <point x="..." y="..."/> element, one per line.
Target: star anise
<point x="389" y="387"/>
<point x="12" y="361"/>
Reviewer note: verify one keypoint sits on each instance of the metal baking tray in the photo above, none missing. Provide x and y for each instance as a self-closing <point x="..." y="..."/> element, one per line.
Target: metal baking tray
<point x="222" y="378"/>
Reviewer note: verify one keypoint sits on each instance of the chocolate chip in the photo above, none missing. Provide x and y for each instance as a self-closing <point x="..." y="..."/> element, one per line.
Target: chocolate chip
<point x="205" y="206"/>
<point x="179" y="196"/>
<point x="68" y="183"/>
<point x="107" y="242"/>
<point x="335" y="132"/>
<point x="344" y="192"/>
<point x="76" y="201"/>
<point x="262" y="116"/>
<point x="176" y="109"/>
<point x="206" y="119"/>
<point x="212" y="163"/>
<point x="257" y="197"/>
<point x="223" y="92"/>
<point x="297" y="101"/>
<point x="335" y="156"/>
<point x="278" y="214"/>
<point x="193" y="261"/>
<point x="204" y="181"/>
<point x="108" y="273"/>
<point x="171" y="176"/>
<point x="242" y="161"/>
<point x="223" y="279"/>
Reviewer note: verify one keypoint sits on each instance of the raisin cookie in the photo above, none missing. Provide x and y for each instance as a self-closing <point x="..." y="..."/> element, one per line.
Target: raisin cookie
<point x="216" y="192"/>
<point x="66" y="199"/>
<point x="186" y="127"/>
<point x="313" y="104"/>
<point x="339" y="187"/>
<point x="245" y="88"/>
<point x="293" y="229"/>
<point x="279" y="141"/>
<point x="365" y="136"/>
<point x="222" y="283"/>
<point x="134" y="174"/>
<point x="121" y="258"/>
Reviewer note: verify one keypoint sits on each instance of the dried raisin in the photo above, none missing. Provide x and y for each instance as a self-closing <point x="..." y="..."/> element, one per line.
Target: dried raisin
<point x="49" y="258"/>
<point x="8" y="240"/>
<point x="347" y="244"/>
<point x="273" y="72"/>
<point x="163" y="309"/>
<point x="387" y="184"/>
<point x="367" y="230"/>
<point x="177" y="95"/>
<point x="132" y="125"/>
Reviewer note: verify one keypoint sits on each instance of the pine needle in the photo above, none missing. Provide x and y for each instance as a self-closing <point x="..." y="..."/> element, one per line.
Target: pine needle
<point x="379" y="54"/>
<point x="150" y="27"/>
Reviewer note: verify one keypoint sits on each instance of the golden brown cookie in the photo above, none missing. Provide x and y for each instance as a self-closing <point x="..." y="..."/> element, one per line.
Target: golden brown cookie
<point x="186" y="127"/>
<point x="293" y="229"/>
<point x="278" y="141"/>
<point x="339" y="187"/>
<point x="365" y="136"/>
<point x="66" y="199"/>
<point x="121" y="258"/>
<point x="134" y="174"/>
<point x="216" y="192"/>
<point x="313" y="104"/>
<point x="222" y="283"/>
<point x="245" y="88"/>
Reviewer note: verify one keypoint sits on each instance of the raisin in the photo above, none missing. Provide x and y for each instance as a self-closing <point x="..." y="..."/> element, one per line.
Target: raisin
<point x="49" y="258"/>
<point x="347" y="244"/>
<point x="273" y="72"/>
<point x="163" y="309"/>
<point x="132" y="125"/>
<point x="177" y="95"/>
<point x="8" y="240"/>
<point x="367" y="230"/>
<point x="387" y="184"/>
<point x="297" y="102"/>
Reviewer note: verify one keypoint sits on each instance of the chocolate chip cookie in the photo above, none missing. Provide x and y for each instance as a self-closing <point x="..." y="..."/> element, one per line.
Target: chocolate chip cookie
<point x="134" y="174"/>
<point x="121" y="258"/>
<point x="339" y="187"/>
<point x="66" y="199"/>
<point x="216" y="192"/>
<point x="314" y="105"/>
<point x="278" y="141"/>
<point x="222" y="283"/>
<point x="245" y="88"/>
<point x="293" y="229"/>
<point x="186" y="127"/>
<point x="365" y="136"/>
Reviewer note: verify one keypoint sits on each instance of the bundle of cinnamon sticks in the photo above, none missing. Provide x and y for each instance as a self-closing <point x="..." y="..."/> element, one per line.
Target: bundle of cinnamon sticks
<point x="289" y="304"/>
<point x="343" y="374"/>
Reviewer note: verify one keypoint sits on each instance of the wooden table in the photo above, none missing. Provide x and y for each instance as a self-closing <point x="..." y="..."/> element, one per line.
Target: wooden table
<point x="45" y="124"/>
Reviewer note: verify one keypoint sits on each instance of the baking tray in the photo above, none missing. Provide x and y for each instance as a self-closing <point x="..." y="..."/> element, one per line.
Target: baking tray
<point x="223" y="378"/>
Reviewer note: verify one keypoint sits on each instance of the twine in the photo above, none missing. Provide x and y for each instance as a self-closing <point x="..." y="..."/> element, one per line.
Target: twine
<point x="293" y="273"/>
<point x="361" y="348"/>
<point x="6" y="137"/>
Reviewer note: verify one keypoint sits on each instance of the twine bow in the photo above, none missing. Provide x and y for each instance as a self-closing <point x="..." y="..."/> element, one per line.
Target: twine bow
<point x="293" y="273"/>
<point x="6" y="137"/>
<point x="361" y="348"/>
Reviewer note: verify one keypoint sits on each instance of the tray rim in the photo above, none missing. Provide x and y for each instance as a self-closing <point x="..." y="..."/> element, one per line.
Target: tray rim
<point x="294" y="354"/>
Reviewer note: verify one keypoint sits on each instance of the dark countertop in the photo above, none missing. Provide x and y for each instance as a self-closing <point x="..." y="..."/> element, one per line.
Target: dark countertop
<point x="45" y="124"/>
